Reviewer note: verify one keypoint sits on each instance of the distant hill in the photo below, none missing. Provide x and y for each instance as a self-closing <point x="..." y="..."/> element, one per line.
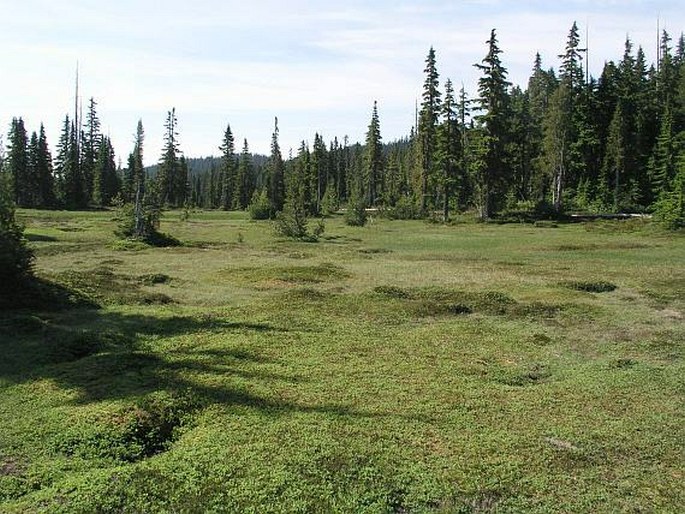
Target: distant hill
<point x="201" y="165"/>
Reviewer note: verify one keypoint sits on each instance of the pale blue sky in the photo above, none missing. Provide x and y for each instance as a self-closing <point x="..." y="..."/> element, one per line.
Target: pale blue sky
<point x="317" y="65"/>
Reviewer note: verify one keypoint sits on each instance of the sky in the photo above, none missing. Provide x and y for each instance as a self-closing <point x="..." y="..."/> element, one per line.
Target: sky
<point x="316" y="65"/>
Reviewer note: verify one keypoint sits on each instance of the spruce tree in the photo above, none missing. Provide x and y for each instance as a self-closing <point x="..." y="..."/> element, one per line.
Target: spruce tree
<point x="169" y="183"/>
<point x="71" y="184"/>
<point x="614" y="169"/>
<point x="89" y="148"/>
<point x="427" y="128"/>
<point x="228" y="170"/>
<point x="242" y="192"/>
<point x="44" y="172"/>
<point x="106" y="181"/>
<point x="140" y="220"/>
<point x="494" y="118"/>
<point x="571" y="69"/>
<point x="557" y="141"/>
<point x="662" y="164"/>
<point x="373" y="158"/>
<point x="275" y="170"/>
<point x="464" y="113"/>
<point x="519" y="147"/>
<point x="292" y="221"/>
<point x="16" y="163"/>
<point x="448" y="148"/>
<point x="31" y="185"/>
<point x="182" y="184"/>
<point x="16" y="258"/>
<point x="670" y="208"/>
<point x="318" y="175"/>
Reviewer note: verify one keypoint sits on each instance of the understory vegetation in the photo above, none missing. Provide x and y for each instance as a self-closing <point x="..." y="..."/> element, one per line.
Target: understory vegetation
<point x="399" y="366"/>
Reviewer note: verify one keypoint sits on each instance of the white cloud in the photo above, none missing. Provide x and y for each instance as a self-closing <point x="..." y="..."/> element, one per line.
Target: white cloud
<point x="316" y="65"/>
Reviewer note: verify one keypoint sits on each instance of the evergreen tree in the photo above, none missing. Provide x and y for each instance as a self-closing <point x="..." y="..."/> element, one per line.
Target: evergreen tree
<point x="667" y="76"/>
<point x="318" y="175"/>
<point x="171" y="184"/>
<point x="106" y="181"/>
<point x="373" y="158"/>
<point x="43" y="164"/>
<point x="625" y="132"/>
<point x="557" y="141"/>
<point x="229" y="170"/>
<point x="138" y="172"/>
<point x="520" y="145"/>
<point x="614" y="169"/>
<point x="16" y="258"/>
<point x="292" y="221"/>
<point x="670" y="208"/>
<point x="493" y="104"/>
<point x="448" y="148"/>
<point x="276" y="169"/>
<point x="464" y="113"/>
<point x="140" y="220"/>
<point x="427" y="128"/>
<point x="71" y="184"/>
<point x="243" y="191"/>
<point x="31" y="185"/>
<point x="662" y="163"/>
<point x="541" y="86"/>
<point x="16" y="163"/>
<point x="646" y="124"/>
<point x="90" y="147"/>
<point x="571" y="70"/>
<point x="128" y="183"/>
<point x="581" y="156"/>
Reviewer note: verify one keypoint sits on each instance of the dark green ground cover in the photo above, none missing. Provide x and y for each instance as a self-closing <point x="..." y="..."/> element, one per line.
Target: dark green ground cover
<point x="398" y="367"/>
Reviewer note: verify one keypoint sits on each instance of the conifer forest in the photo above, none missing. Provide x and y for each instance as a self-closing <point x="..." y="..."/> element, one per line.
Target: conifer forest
<point x="562" y="142"/>
<point x="485" y="315"/>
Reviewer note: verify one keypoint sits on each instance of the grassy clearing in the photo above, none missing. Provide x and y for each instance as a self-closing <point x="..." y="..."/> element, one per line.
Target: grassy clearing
<point x="398" y="367"/>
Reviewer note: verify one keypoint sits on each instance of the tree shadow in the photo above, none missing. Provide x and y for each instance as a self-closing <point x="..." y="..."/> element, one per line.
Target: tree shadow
<point x="101" y="355"/>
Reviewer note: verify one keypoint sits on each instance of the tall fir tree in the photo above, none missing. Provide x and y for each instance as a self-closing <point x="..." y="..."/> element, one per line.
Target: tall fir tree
<point x="448" y="148"/>
<point x="106" y="184"/>
<point x="32" y="181"/>
<point x="493" y="103"/>
<point x="229" y="170"/>
<point x="170" y="184"/>
<point x="71" y="184"/>
<point x="662" y="163"/>
<point x="141" y="229"/>
<point x="427" y="129"/>
<point x="292" y="221"/>
<point x="44" y="172"/>
<point x="89" y="148"/>
<point x="16" y="258"/>
<point x="318" y="175"/>
<point x="615" y="162"/>
<point x="16" y="163"/>
<point x="557" y="141"/>
<point x="464" y="114"/>
<point x="373" y="158"/>
<point x="275" y="170"/>
<point x="243" y="190"/>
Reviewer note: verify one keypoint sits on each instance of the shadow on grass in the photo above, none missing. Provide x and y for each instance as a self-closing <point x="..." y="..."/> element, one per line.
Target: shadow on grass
<point x="109" y="356"/>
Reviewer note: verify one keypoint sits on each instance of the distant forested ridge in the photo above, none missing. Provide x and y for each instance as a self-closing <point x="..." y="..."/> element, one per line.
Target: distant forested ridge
<point x="565" y="141"/>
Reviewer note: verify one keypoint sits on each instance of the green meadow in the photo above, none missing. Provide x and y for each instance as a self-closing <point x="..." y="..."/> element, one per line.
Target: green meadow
<point x="398" y="367"/>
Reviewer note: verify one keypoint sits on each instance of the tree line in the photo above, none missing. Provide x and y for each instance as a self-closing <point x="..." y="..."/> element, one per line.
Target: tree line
<point x="567" y="141"/>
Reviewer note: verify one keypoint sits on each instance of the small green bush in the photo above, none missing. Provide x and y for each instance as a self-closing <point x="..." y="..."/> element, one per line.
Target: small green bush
<point x="599" y="286"/>
<point x="259" y="207"/>
<point x="293" y="224"/>
<point x="355" y="216"/>
<point x="16" y="258"/>
<point x="404" y="209"/>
